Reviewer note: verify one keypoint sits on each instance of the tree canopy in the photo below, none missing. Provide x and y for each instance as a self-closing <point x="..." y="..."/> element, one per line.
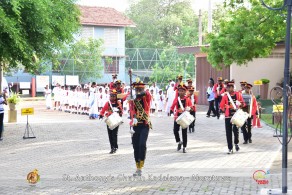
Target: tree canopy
<point x="247" y="31"/>
<point x="32" y="30"/>
<point x="161" y="24"/>
<point x="82" y="58"/>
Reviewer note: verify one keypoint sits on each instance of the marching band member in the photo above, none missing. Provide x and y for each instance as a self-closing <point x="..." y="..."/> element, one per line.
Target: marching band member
<point x="170" y="97"/>
<point x="251" y="109"/>
<point x="179" y="80"/>
<point x="160" y="102"/>
<point x="217" y="88"/>
<point x="111" y="106"/>
<point x="190" y="83"/>
<point x="112" y="84"/>
<point x="211" y="98"/>
<point x="118" y="87"/>
<point x="139" y="110"/>
<point x="180" y="101"/>
<point x="224" y="90"/>
<point x="153" y="102"/>
<point x="194" y="100"/>
<point x="230" y="102"/>
<point x="48" y="97"/>
<point x="242" y="86"/>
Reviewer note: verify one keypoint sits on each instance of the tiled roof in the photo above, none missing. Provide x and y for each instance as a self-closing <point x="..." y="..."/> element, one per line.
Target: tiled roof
<point x="103" y="16"/>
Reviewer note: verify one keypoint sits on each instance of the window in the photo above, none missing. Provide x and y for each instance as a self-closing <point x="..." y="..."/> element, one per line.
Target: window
<point x="111" y="65"/>
<point x="87" y="32"/>
<point x="111" y="37"/>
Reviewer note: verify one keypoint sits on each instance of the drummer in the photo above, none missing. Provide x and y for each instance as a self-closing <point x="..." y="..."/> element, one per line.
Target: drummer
<point x="112" y="84"/>
<point x="110" y="107"/>
<point x="187" y="104"/>
<point x="242" y="86"/>
<point x="246" y="128"/>
<point x="229" y="105"/>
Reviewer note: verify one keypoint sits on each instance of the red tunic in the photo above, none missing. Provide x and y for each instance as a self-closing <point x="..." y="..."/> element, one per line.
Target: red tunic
<point x="225" y="105"/>
<point x="195" y="102"/>
<point x="217" y="94"/>
<point x="112" y="85"/>
<point x="146" y="105"/>
<point x="107" y="110"/>
<point x="175" y="107"/>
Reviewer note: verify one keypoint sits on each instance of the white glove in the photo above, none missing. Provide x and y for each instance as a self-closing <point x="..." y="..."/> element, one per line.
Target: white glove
<point x="115" y="109"/>
<point x="132" y="131"/>
<point x="188" y="108"/>
<point x="135" y="121"/>
<point x="237" y="103"/>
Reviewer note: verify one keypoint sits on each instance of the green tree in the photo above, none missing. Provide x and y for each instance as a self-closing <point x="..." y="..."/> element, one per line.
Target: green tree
<point x="169" y="70"/>
<point x="82" y="58"/>
<point x="162" y="23"/>
<point x="32" y="30"/>
<point x="247" y="31"/>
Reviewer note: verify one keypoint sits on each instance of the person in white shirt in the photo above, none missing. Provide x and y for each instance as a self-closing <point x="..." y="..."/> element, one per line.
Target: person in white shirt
<point x="48" y="97"/>
<point x="93" y="101"/>
<point x="153" y="102"/>
<point x="56" y="92"/>
<point x="101" y="98"/>
<point x="170" y="95"/>
<point x="160" y="98"/>
<point x="2" y="102"/>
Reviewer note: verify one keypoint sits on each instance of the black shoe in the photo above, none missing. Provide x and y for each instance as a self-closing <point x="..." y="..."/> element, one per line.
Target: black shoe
<point x="190" y="130"/>
<point x="193" y="130"/>
<point x="112" y="151"/>
<point x="250" y="141"/>
<point x="1" y="138"/>
<point x="115" y="150"/>
<point x="184" y="150"/>
<point x="178" y="146"/>
<point x="237" y="147"/>
<point x="218" y="116"/>
<point x="230" y="152"/>
<point x="213" y="115"/>
<point x="208" y="116"/>
<point x="245" y="142"/>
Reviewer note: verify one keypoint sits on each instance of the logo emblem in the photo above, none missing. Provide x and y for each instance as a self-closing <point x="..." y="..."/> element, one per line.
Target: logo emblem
<point x="260" y="176"/>
<point x="33" y="177"/>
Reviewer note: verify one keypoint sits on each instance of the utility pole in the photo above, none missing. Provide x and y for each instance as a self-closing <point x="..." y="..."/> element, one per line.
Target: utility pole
<point x="200" y="28"/>
<point x="210" y="17"/>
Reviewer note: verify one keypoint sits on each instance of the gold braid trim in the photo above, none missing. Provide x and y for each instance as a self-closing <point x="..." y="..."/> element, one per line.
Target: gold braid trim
<point x="141" y="114"/>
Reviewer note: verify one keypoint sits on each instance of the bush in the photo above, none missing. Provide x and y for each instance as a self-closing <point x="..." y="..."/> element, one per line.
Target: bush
<point x="265" y="81"/>
<point x="13" y="98"/>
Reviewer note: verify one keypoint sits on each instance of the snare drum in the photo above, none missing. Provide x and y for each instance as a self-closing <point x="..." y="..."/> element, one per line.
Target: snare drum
<point x="185" y="119"/>
<point x="239" y="118"/>
<point x="113" y="121"/>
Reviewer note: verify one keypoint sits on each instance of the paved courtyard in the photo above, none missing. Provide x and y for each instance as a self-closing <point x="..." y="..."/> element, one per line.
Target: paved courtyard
<point x="71" y="155"/>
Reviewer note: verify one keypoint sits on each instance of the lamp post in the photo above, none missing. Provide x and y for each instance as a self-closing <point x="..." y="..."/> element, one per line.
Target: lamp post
<point x="185" y="66"/>
<point x="288" y="4"/>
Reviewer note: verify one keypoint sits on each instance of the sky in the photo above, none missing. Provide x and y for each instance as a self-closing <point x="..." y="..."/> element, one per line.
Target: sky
<point x="122" y="5"/>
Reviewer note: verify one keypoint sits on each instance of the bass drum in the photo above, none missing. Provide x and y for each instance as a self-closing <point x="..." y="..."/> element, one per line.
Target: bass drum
<point x="114" y="120"/>
<point x="185" y="119"/>
<point x="239" y="118"/>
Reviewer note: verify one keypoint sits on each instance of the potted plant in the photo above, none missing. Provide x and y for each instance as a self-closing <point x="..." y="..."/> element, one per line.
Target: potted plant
<point x="264" y="89"/>
<point x="12" y="100"/>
